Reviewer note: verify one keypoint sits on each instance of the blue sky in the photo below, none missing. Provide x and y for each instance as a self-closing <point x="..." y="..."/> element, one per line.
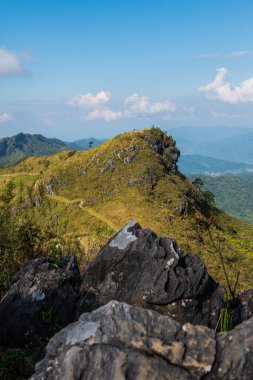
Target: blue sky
<point x="71" y="68"/>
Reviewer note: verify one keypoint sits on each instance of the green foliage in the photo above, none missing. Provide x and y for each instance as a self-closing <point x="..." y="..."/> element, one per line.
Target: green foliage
<point x="15" y="365"/>
<point x="232" y="194"/>
<point x="156" y="132"/>
<point x="51" y="321"/>
<point x="225" y="320"/>
<point x="16" y="148"/>
<point x="8" y="194"/>
<point x="207" y="199"/>
<point x="198" y="182"/>
<point x="23" y="237"/>
<point x="28" y="236"/>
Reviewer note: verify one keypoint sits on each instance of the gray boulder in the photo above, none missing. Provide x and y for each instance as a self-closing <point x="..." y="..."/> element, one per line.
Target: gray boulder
<point x="119" y="341"/>
<point x="41" y="300"/>
<point x="234" y="354"/>
<point x="142" y="269"/>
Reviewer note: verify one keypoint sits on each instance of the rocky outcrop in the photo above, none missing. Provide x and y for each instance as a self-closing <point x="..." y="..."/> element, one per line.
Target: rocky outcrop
<point x="119" y="342"/>
<point x="41" y="300"/>
<point x="115" y="340"/>
<point x="142" y="269"/>
<point x="241" y="307"/>
<point x="165" y="146"/>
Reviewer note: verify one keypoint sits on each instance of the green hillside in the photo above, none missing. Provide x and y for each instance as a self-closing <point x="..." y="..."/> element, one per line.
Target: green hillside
<point x="232" y="194"/>
<point x="89" y="195"/>
<point x="13" y="149"/>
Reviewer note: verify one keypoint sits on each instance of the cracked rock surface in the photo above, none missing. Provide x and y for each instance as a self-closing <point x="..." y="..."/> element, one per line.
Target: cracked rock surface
<point x="142" y="269"/>
<point x="119" y="342"/>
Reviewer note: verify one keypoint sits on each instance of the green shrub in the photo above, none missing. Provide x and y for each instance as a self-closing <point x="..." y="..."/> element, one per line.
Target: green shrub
<point x="225" y="320"/>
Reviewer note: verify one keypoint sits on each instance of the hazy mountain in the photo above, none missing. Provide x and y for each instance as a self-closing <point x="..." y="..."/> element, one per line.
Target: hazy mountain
<point x="195" y="163"/>
<point x="236" y="148"/>
<point x="12" y="149"/>
<point x="86" y="143"/>
<point x="227" y="143"/>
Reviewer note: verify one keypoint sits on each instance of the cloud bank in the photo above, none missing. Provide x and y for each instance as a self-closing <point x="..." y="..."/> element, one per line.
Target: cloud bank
<point x="89" y="101"/>
<point x="141" y="105"/>
<point x="134" y="106"/>
<point x="106" y="114"/>
<point x="222" y="89"/>
<point x="4" y="117"/>
<point x="241" y="53"/>
<point x="9" y="63"/>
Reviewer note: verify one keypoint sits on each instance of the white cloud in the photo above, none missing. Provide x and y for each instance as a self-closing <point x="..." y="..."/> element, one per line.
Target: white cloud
<point x="240" y="53"/>
<point x="225" y="115"/>
<point x="4" y="117"/>
<point x="97" y="106"/>
<point x="209" y="55"/>
<point x="90" y="101"/>
<point x="141" y="105"/>
<point x="222" y="89"/>
<point x="189" y="109"/>
<point x="9" y="63"/>
<point x="104" y="114"/>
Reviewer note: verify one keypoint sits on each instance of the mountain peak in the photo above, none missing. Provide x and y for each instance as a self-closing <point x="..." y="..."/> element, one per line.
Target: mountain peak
<point x="13" y="149"/>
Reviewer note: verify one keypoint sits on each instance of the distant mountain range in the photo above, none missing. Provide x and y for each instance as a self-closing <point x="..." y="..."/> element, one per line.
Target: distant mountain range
<point x="13" y="149"/>
<point x="197" y="164"/>
<point x="226" y="143"/>
<point x="213" y="151"/>
<point x="85" y="144"/>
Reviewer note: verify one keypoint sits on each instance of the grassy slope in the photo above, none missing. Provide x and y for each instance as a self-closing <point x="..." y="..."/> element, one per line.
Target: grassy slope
<point x="98" y="191"/>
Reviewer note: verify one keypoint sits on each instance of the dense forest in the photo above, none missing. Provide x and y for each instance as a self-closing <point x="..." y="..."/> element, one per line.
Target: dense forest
<point x="233" y="194"/>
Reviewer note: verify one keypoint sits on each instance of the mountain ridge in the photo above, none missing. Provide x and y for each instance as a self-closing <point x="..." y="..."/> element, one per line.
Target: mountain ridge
<point x="132" y="176"/>
<point x="15" y="148"/>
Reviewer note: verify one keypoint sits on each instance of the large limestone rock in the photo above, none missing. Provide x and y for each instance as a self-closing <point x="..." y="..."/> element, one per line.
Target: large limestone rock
<point x="234" y="354"/>
<point x="119" y="341"/>
<point x="142" y="269"/>
<point x="41" y="300"/>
